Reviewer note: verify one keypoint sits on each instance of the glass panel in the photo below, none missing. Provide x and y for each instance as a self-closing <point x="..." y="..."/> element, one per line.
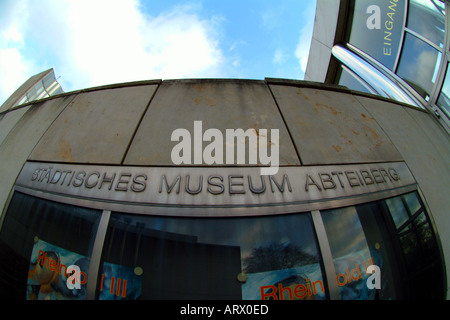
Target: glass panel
<point x="23" y="100"/>
<point x="39" y="240"/>
<point x="444" y="97"/>
<point x="409" y="243"/>
<point x="412" y="202"/>
<point x="409" y="260"/>
<point x="349" y="80"/>
<point x="48" y="80"/>
<point x="418" y="65"/>
<point x="350" y="251"/>
<point x="382" y="249"/>
<point x="36" y="92"/>
<point x="425" y="234"/>
<point x="54" y="88"/>
<point x="398" y="211"/>
<point x="420" y="249"/>
<point x="51" y="85"/>
<point x="427" y="18"/>
<point x="257" y="258"/>
<point x="377" y="27"/>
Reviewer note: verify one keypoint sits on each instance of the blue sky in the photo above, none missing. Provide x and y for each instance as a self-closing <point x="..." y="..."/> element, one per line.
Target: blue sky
<point x="97" y="42"/>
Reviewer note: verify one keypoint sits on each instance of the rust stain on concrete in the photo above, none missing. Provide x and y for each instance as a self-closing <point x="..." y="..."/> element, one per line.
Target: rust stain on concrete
<point x="330" y="108"/>
<point x="65" y="150"/>
<point x="300" y="93"/>
<point x="206" y="101"/>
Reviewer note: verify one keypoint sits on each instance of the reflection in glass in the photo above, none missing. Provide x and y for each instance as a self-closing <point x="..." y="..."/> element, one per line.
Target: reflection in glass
<point x="444" y="97"/>
<point x="418" y="66"/>
<point x="383" y="85"/>
<point x="404" y="248"/>
<point x="381" y="42"/>
<point x="409" y="243"/>
<point x="353" y="82"/>
<point x="201" y="258"/>
<point x="39" y="240"/>
<point x="350" y="251"/>
<point x="425" y="232"/>
<point x="44" y="88"/>
<point x="419" y="247"/>
<point x="398" y="211"/>
<point x="427" y="18"/>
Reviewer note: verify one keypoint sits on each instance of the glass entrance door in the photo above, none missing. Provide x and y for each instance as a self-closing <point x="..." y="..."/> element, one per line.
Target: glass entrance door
<point x="394" y="235"/>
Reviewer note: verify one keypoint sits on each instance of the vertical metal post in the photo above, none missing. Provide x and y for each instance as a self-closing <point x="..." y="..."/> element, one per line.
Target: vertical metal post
<point x="96" y="255"/>
<point x="330" y="271"/>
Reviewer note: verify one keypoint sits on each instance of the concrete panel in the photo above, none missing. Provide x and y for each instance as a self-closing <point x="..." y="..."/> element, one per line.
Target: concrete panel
<point x="411" y="132"/>
<point x="19" y="143"/>
<point x="317" y="67"/>
<point x="96" y="127"/>
<point x="330" y="127"/>
<point x="436" y="134"/>
<point x="9" y="120"/>
<point x="219" y="104"/>
<point x="325" y="25"/>
<point x="327" y="12"/>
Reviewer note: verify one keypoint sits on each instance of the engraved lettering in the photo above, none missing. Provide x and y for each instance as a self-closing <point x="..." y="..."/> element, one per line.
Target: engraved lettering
<point x="327" y="181"/>
<point x="79" y="179"/>
<point x="47" y="175"/>
<point x="323" y="178"/>
<point x="359" y="178"/>
<point x="337" y="173"/>
<point x="377" y="176"/>
<point x="385" y="174"/>
<point x="71" y="177"/>
<point x="367" y="177"/>
<point x="42" y="174"/>
<point x="138" y="185"/>
<point x="352" y="180"/>
<point x="310" y="181"/>
<point x="65" y="175"/>
<point x="215" y="184"/>
<point x="109" y="180"/>
<point x="280" y="187"/>
<point x="260" y="190"/>
<point x="89" y="184"/>
<point x="394" y="175"/>
<point x="57" y="176"/>
<point x="35" y="175"/>
<point x="169" y="189"/>
<point x="200" y="185"/>
<point x="231" y="184"/>
<point x="122" y="185"/>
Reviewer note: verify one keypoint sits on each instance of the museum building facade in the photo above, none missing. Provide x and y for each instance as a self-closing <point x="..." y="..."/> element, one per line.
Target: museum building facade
<point x="131" y="191"/>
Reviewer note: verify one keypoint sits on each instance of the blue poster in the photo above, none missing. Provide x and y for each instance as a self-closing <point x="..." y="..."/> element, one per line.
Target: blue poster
<point x="301" y="283"/>
<point x="59" y="274"/>
<point x="48" y="273"/>
<point x="119" y="283"/>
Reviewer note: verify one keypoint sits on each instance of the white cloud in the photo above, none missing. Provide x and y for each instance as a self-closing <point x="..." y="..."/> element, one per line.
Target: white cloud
<point x="13" y="66"/>
<point x="304" y="44"/>
<point x="13" y="71"/>
<point x="279" y="56"/>
<point x="108" y="41"/>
